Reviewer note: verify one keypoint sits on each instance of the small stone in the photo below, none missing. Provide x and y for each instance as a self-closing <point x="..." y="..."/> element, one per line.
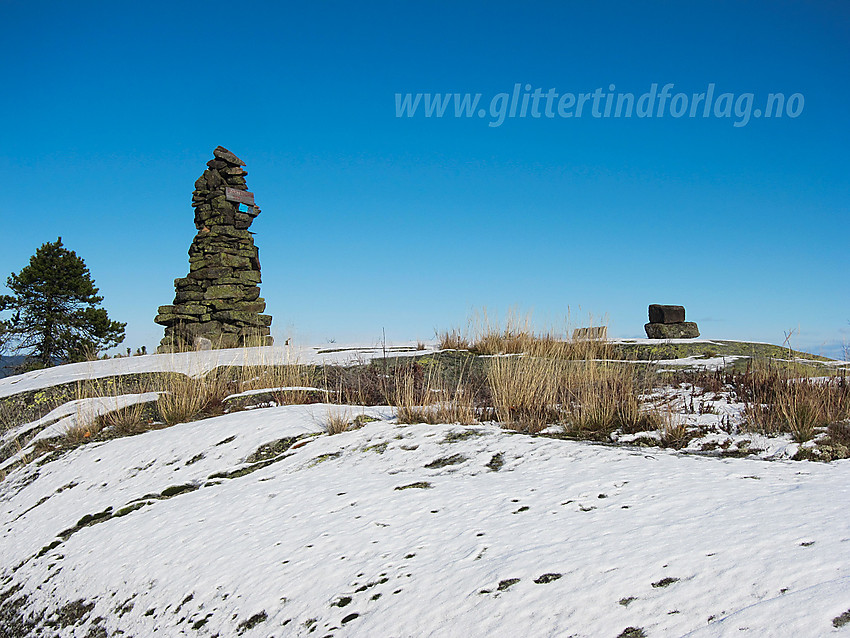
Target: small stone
<point x="190" y="309"/>
<point x="236" y="317"/>
<point x="183" y="296"/>
<point x="224" y="292"/>
<point x="251" y="306"/>
<point x="210" y="272"/>
<point x="222" y="153"/>
<point x="214" y="178"/>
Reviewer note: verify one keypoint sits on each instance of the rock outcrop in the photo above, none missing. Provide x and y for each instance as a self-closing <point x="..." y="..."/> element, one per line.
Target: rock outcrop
<point x="218" y="304"/>
<point x="668" y="322"/>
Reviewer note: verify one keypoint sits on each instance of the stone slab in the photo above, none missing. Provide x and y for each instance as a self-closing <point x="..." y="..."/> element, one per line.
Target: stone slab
<point x="666" y="314"/>
<point x="682" y="330"/>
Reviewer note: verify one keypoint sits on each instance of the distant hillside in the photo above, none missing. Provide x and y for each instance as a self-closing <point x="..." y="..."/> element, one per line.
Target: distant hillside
<point x="8" y="365"/>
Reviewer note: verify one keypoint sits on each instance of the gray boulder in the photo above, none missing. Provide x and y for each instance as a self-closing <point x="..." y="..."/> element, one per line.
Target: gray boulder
<point x="682" y="330"/>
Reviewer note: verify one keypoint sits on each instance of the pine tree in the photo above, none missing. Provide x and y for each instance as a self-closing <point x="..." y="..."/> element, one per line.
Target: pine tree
<point x="56" y="316"/>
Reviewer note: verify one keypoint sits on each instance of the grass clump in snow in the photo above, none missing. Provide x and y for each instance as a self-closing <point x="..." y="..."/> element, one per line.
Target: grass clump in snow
<point x="588" y="398"/>
<point x="674" y="430"/>
<point x="604" y="396"/>
<point x="550" y="379"/>
<point x="111" y="406"/>
<point x="778" y="400"/>
<point x="518" y="336"/>
<point x="528" y="392"/>
<point x="291" y="384"/>
<point x="422" y="395"/>
<point x="186" y="398"/>
<point x="453" y="339"/>
<point x="337" y="422"/>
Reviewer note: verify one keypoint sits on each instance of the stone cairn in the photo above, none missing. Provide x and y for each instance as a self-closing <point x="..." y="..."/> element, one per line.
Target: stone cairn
<point x="668" y="322"/>
<point x="218" y="304"/>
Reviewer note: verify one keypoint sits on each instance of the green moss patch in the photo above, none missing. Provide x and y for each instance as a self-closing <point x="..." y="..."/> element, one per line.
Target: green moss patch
<point x="506" y="584"/>
<point x="497" y="462"/>
<point x="454" y="459"/>
<point x="665" y="582"/>
<point x="454" y="437"/>
<point x="421" y="485"/>
<point x="843" y="619"/>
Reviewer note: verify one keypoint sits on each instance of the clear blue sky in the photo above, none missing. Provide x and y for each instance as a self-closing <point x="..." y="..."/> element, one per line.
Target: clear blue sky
<point x="111" y="109"/>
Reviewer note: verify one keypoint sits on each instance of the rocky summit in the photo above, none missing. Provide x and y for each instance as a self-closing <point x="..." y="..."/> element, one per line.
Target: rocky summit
<point x="218" y="304"/>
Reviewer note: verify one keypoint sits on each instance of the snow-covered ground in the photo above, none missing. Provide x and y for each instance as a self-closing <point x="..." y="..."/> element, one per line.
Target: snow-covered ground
<point x="258" y="523"/>
<point x="420" y="530"/>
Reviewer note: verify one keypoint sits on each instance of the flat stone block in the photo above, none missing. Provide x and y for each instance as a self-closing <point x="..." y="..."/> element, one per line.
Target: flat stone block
<point x="592" y="333"/>
<point x="224" y="292"/>
<point x="666" y="314"/>
<point x="683" y="330"/>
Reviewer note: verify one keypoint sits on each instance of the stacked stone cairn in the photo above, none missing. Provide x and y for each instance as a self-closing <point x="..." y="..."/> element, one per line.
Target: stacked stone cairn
<point x="218" y="305"/>
<point x="668" y="322"/>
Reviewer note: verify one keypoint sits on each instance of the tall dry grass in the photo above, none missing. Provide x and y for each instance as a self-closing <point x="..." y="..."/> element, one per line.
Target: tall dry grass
<point x="337" y="422"/>
<point x="187" y="398"/>
<point x="93" y="414"/>
<point x="487" y="334"/>
<point x="588" y="396"/>
<point x="289" y="384"/>
<point x="453" y="339"/>
<point x="674" y="428"/>
<point x="605" y="396"/>
<point x="778" y="400"/>
<point x="528" y="392"/>
<point x="426" y="396"/>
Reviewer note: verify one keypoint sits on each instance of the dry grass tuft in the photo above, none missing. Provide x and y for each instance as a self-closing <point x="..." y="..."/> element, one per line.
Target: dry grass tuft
<point x="528" y="392"/>
<point x="291" y="384"/>
<point x="453" y="339"/>
<point x="86" y="423"/>
<point x="421" y="396"/>
<point x="778" y="400"/>
<point x="188" y="398"/>
<point x="127" y="420"/>
<point x="337" y="422"/>
<point x="517" y="335"/>
<point x="588" y="397"/>
<point x="674" y="429"/>
<point x="606" y="395"/>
